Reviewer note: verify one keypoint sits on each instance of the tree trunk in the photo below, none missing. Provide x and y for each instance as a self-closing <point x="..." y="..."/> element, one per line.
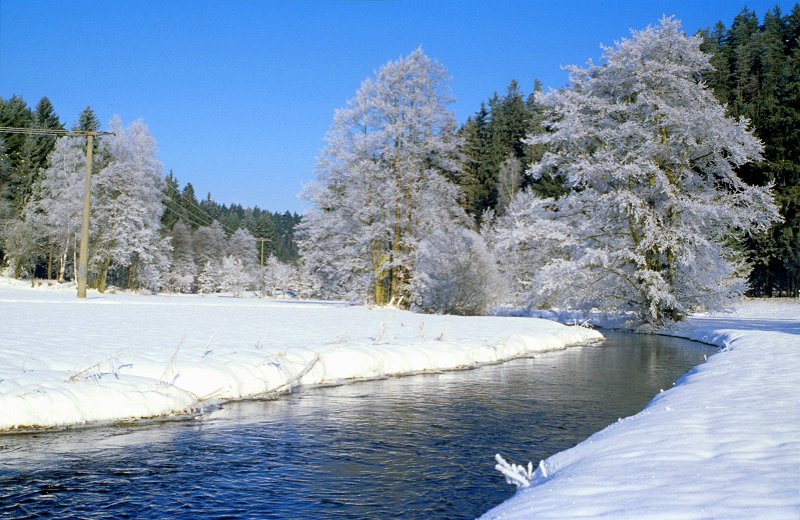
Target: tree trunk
<point x="378" y="274"/>
<point x="62" y="261"/>
<point x="101" y="280"/>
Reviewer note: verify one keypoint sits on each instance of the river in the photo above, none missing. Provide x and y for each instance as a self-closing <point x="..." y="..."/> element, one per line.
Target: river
<point x="411" y="447"/>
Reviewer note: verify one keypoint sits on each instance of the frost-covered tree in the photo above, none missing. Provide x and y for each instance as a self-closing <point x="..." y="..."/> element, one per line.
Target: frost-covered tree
<point x="127" y="206"/>
<point x="208" y="279"/>
<point x="648" y="155"/>
<point x="242" y="245"/>
<point x="209" y="243"/>
<point x="233" y="277"/>
<point x="21" y="240"/>
<point x="382" y="183"/>
<point x="59" y="205"/>
<point x="154" y="275"/>
<point x="508" y="182"/>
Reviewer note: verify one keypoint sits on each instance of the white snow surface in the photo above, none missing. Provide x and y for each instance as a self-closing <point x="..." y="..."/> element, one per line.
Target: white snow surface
<point x="113" y="357"/>
<point x="724" y="442"/>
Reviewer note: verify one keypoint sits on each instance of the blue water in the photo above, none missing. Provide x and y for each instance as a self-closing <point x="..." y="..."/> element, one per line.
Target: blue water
<point x="414" y="447"/>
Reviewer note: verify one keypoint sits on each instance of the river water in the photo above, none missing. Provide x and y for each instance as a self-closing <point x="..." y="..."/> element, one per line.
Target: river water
<point x="413" y="447"/>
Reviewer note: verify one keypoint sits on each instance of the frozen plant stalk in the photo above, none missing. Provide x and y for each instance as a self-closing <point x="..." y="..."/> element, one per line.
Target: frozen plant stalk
<point x="520" y="476"/>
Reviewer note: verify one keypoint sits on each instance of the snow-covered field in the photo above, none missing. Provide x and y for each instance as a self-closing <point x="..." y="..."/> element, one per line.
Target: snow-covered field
<point x="65" y="361"/>
<point x="723" y="443"/>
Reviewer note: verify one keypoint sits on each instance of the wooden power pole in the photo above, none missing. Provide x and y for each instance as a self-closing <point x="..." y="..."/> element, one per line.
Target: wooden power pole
<point x="83" y="256"/>
<point x="262" y="240"/>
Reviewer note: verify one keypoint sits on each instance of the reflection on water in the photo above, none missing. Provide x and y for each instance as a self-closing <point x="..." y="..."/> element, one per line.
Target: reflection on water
<point x="416" y="447"/>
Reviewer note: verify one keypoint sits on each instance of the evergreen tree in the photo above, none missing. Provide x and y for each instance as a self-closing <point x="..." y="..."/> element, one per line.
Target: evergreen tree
<point x="5" y="188"/>
<point x="195" y="215"/>
<point x="475" y="140"/>
<point x="489" y="139"/>
<point x="182" y="271"/>
<point x="15" y="113"/>
<point x="88" y="121"/>
<point x="757" y="74"/>
<point x="173" y="210"/>
<point x="33" y="154"/>
<point x="263" y="230"/>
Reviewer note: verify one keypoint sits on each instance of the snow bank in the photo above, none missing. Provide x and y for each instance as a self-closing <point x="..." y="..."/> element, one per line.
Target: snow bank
<point x="65" y="361"/>
<point x="723" y="443"/>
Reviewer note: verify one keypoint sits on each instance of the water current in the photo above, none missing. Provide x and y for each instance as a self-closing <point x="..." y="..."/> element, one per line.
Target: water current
<point x="412" y="447"/>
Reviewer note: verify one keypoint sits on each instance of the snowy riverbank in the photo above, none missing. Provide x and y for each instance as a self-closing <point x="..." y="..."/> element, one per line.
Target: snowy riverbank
<point x="65" y="361"/>
<point x="723" y="443"/>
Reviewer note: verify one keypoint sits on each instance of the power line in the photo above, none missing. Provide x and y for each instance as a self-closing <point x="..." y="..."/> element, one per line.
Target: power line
<point x="194" y="215"/>
<point x="185" y="215"/>
<point x="203" y="211"/>
<point x="51" y="131"/>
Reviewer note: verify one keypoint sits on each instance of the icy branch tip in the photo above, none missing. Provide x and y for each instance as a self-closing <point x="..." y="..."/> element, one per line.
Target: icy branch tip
<point x="516" y="474"/>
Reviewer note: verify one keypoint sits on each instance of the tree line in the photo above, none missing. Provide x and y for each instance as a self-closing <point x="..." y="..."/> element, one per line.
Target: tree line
<point x="142" y="222"/>
<point x="628" y="190"/>
<point x="661" y="182"/>
<point x="755" y="73"/>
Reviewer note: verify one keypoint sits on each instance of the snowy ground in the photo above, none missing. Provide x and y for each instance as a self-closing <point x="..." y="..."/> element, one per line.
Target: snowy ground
<point x="723" y="443"/>
<point x="65" y="361"/>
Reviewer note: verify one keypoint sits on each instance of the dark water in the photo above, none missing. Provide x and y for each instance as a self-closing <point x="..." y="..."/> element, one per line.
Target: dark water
<point x="415" y="447"/>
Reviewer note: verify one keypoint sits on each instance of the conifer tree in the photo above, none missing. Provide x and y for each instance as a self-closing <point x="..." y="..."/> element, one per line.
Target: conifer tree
<point x="173" y="211"/>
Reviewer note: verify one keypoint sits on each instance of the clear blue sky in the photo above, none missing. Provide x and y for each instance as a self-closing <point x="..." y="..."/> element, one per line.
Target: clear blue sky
<point x="239" y="94"/>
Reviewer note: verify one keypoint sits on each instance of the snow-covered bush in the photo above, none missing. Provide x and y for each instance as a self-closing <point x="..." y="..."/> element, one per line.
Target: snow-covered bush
<point x="524" y="239"/>
<point x="519" y="475"/>
<point x="455" y="273"/>
<point x="22" y="245"/>
<point x="278" y="276"/>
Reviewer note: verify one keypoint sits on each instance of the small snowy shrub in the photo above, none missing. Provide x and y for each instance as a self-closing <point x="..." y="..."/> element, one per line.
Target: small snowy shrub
<point x="455" y="273"/>
<point x="278" y="276"/>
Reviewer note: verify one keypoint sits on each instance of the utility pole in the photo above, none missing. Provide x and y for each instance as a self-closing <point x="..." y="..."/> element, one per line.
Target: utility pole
<point x="83" y="257"/>
<point x="262" y="240"/>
